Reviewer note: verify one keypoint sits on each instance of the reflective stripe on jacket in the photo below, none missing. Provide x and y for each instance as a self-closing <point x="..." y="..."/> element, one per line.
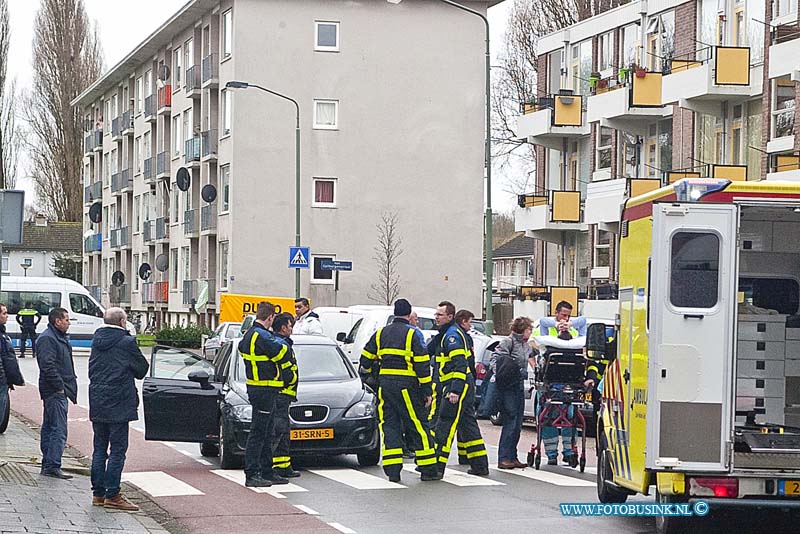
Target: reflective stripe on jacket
<point x="453" y="357"/>
<point x="397" y="350"/>
<point x="266" y="358"/>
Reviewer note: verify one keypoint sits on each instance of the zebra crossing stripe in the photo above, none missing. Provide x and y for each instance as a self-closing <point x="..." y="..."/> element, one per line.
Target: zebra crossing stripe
<point x="356" y="479"/>
<point x="276" y="491"/>
<point x="461" y="479"/>
<point x="549" y="477"/>
<point x="160" y="484"/>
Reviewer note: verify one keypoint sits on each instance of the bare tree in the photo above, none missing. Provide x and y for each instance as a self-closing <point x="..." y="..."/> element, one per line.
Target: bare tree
<point x="67" y="58"/>
<point x="9" y="138"/>
<point x="387" y="253"/>
<point x="502" y="228"/>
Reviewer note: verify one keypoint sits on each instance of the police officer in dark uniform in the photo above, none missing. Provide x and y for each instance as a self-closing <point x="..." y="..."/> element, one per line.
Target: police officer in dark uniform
<point x="281" y="460"/>
<point x="398" y="357"/>
<point x="10" y="375"/>
<point x="28" y="320"/>
<point x="457" y="402"/>
<point x="267" y="368"/>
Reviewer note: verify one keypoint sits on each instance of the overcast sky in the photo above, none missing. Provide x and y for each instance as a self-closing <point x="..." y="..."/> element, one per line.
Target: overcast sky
<point x="122" y="28"/>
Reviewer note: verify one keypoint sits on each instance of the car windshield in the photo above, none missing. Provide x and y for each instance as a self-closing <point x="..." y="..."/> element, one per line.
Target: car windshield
<point x="315" y="363"/>
<point x="233" y="331"/>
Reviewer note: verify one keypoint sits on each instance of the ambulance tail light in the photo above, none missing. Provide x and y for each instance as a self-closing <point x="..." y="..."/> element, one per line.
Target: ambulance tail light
<point x="714" y="487"/>
<point x="480" y="371"/>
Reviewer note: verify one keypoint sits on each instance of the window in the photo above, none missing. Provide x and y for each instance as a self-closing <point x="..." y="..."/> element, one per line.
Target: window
<point x="226" y="112"/>
<point x="173" y="271"/>
<point x="135" y="276"/>
<point x="175" y="204"/>
<point x="605" y="54"/>
<point x="176" y="136"/>
<point x="4" y="267"/>
<point x="324" y="193"/>
<point x="107" y="117"/>
<point x="660" y="41"/>
<point x="326" y="114"/>
<point x="188" y="55"/>
<point x="114" y="161"/>
<point x="106" y="170"/>
<point x="694" y="270"/>
<point x="554" y="71"/>
<point x="227" y="34"/>
<point x="783" y="107"/>
<point x="223" y="265"/>
<point x="105" y="223"/>
<point x="148" y="83"/>
<point x="82" y="304"/>
<point x="187" y="125"/>
<point x="137" y="154"/>
<point x="225" y="187"/>
<point x="736" y="135"/>
<point x="186" y="274"/>
<point x="137" y="214"/>
<point x="781" y="294"/>
<point x="139" y="95"/>
<point x="327" y="36"/>
<point x="581" y="67"/>
<point x="176" y="67"/>
<point x="147" y="146"/>
<point x="604" y="139"/>
<point x="114" y="106"/>
<point x="784" y="8"/>
<point x="318" y="276"/>
<point x="628" y="45"/>
<point x="39" y="301"/>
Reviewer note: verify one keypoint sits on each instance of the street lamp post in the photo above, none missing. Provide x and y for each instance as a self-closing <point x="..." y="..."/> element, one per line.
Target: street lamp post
<point x="246" y="85"/>
<point x="488" y="265"/>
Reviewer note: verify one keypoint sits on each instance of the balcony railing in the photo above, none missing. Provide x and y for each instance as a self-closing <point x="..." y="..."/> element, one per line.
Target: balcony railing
<point x="191" y="150"/>
<point x="93" y="243"/>
<point x="97" y="144"/>
<point x="162" y="228"/>
<point x="193" y="288"/>
<point x="164" y="98"/>
<point x="116" y="128"/>
<point x="116" y="180"/>
<point x="96" y="292"/>
<point x="210" y="65"/>
<point x="88" y="143"/>
<point x="209" y="142"/>
<point x="93" y="192"/>
<point x="149" y="231"/>
<point x="148" y="170"/>
<point x="208" y="217"/>
<point x="155" y="292"/>
<point x="127" y="123"/>
<point x="120" y="237"/>
<point x="193" y="80"/>
<point x="190" y="221"/>
<point x="119" y="294"/>
<point x="150" y="107"/>
<point x="162" y="164"/>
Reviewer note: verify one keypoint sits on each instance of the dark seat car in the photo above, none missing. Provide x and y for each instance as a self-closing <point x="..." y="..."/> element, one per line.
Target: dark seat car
<point x="187" y="398"/>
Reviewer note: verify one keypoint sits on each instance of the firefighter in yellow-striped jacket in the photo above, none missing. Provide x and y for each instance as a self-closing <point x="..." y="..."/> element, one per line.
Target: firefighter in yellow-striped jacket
<point x="399" y="359"/>
<point x="281" y="459"/>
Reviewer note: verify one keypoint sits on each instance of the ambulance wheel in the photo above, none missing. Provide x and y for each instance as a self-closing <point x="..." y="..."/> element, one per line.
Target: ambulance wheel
<point x="537" y="461"/>
<point x="606" y="493"/>
<point x="670" y="524"/>
<point x="583" y="464"/>
<point x="529" y="460"/>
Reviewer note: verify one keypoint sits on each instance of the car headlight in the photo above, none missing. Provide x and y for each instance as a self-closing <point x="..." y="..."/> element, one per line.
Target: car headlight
<point x="360" y="409"/>
<point x="243" y="412"/>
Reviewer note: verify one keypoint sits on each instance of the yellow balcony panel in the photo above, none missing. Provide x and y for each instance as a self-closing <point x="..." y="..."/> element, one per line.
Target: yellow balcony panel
<point x="674" y="176"/>
<point x="732" y="65"/>
<point x="641" y="186"/>
<point x="568" y="110"/>
<point x="536" y="222"/>
<point x="566" y="293"/>
<point x="785" y="167"/>
<point x="735" y="173"/>
<point x="538" y="129"/>
<point x="566" y="206"/>
<point x="787" y="163"/>
<point x="529" y="201"/>
<point x="646" y="90"/>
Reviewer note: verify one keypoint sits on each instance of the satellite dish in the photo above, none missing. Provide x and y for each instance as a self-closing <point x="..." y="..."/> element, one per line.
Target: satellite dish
<point x="208" y="193"/>
<point x="145" y="271"/>
<point x="118" y="278"/>
<point x="96" y="212"/>
<point x="183" y="179"/>
<point x="163" y="73"/>
<point x="162" y="262"/>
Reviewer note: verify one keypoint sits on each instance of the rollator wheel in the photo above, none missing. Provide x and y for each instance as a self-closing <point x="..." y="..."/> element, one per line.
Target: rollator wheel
<point x="573" y="461"/>
<point x="529" y="461"/>
<point x="537" y="461"/>
<point x="583" y="464"/>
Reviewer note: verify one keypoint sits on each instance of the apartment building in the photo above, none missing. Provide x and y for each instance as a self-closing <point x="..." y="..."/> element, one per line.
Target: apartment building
<point x="391" y="104"/>
<point x="641" y="96"/>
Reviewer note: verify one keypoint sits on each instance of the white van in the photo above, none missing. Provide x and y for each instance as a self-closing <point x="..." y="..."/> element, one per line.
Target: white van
<point x="45" y="293"/>
<point x="337" y="319"/>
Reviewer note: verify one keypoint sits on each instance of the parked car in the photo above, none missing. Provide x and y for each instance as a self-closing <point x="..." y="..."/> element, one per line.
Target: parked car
<point x="189" y="399"/>
<point x="224" y="333"/>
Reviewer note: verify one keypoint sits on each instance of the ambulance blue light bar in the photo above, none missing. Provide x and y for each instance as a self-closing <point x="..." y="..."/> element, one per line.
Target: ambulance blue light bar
<point x="693" y="189"/>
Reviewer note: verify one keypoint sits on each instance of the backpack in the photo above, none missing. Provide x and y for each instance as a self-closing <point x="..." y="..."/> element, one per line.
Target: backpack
<point x="506" y="370"/>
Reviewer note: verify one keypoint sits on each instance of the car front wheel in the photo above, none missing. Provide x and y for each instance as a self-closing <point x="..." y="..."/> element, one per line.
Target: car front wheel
<point x="370" y="458"/>
<point x="209" y="449"/>
<point x="227" y="460"/>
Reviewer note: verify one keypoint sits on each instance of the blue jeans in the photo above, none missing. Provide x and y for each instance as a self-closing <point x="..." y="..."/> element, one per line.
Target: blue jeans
<point x="258" y="451"/>
<point x="550" y="434"/>
<point x="512" y="408"/>
<point x="54" y="431"/>
<point x="107" y="469"/>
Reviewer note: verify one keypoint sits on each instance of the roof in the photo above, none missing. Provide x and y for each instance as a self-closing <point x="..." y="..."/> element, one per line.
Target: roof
<point x="55" y="237"/>
<point x="518" y="247"/>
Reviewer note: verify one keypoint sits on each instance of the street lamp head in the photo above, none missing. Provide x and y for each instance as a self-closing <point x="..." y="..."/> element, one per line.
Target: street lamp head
<point x="237" y="85"/>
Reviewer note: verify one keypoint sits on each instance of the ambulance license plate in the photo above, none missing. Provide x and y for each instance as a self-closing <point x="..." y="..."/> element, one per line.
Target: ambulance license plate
<point x="789" y="487"/>
<point x="312" y="433"/>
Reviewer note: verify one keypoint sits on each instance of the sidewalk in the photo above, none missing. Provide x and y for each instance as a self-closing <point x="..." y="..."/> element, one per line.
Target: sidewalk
<point x="30" y="502"/>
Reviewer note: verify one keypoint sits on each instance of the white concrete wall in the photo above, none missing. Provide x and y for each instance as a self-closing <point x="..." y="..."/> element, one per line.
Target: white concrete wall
<point x="41" y="262"/>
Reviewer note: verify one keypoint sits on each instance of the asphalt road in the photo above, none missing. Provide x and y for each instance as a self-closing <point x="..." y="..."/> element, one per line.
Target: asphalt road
<point x="334" y="494"/>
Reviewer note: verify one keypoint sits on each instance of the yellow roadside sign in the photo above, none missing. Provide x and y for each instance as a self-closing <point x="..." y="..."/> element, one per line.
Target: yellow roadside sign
<point x="235" y="307"/>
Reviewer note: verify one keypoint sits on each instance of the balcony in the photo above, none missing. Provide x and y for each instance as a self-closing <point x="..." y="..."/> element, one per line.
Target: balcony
<point x="88" y="144"/>
<point x="208" y="218"/>
<point x="162" y="229"/>
<point x="784" y="167"/>
<point x="148" y="172"/>
<point x="549" y="217"/>
<point x="191" y="226"/>
<point x="191" y="152"/>
<point x="702" y="80"/>
<point x="165" y="100"/>
<point x="155" y="292"/>
<point x="194" y="82"/>
<point x="121" y="237"/>
<point x="783" y="51"/>
<point x="210" y="71"/>
<point x="195" y="291"/>
<point x="122" y="182"/>
<point x="119" y="295"/>
<point x="127" y="123"/>
<point x="116" y="129"/>
<point x="552" y="120"/>
<point x="604" y="200"/>
<point x="627" y="102"/>
<point x="97" y="142"/>
<point x="149" y="231"/>
<point x="150" y="108"/>
<point x="162" y="165"/>
<point x="93" y="243"/>
<point x="209" y="144"/>
<point x="93" y="192"/>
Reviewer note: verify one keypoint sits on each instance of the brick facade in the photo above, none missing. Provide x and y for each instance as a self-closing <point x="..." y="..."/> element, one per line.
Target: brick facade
<point x="683" y="120"/>
<point x="766" y="105"/>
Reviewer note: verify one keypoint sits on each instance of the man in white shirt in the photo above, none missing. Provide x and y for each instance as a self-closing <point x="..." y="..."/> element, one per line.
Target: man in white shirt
<point x="307" y="321"/>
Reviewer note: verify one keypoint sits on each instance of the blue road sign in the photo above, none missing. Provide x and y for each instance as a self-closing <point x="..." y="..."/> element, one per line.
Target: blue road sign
<point x="298" y="257"/>
<point x="330" y="265"/>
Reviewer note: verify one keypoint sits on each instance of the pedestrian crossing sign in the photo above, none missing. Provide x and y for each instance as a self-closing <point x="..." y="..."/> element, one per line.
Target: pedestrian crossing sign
<point x="298" y="257"/>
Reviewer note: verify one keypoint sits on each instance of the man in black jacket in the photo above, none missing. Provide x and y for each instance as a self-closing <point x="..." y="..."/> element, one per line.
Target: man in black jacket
<point x="57" y="383"/>
<point x="10" y="374"/>
<point x="114" y="364"/>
